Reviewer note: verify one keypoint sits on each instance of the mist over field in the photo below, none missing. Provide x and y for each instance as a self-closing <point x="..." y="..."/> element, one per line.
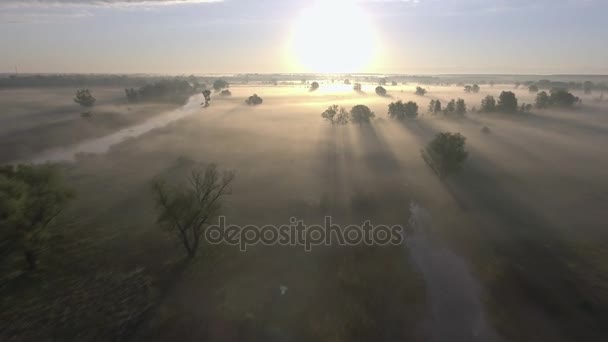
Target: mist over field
<point x="284" y="170"/>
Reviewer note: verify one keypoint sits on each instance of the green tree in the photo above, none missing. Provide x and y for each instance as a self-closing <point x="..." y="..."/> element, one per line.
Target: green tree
<point x="31" y="198"/>
<point x="507" y="102"/>
<point x="186" y="211"/>
<point x="488" y="104"/>
<point x="361" y="114"/>
<point x="85" y="98"/>
<point x="400" y="111"/>
<point x="461" y="107"/>
<point x="445" y="154"/>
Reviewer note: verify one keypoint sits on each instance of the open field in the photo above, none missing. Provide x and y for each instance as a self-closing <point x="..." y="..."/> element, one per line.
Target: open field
<point x="514" y="247"/>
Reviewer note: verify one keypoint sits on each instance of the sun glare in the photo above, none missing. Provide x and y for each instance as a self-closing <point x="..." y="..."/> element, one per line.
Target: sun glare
<point x="333" y="37"/>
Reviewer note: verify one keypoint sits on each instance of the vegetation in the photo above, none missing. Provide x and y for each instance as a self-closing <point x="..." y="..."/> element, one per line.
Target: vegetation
<point x="186" y="211"/>
<point x="445" y="154"/>
<point x="533" y="89"/>
<point x="84" y="98"/>
<point x="207" y="97"/>
<point x="336" y="115"/>
<point x="164" y="91"/>
<point x="435" y="106"/>
<point x="314" y="86"/>
<point x="420" y="91"/>
<point x="558" y="98"/>
<point x="380" y="91"/>
<point x="507" y="102"/>
<point x="400" y="111"/>
<point x="461" y="107"/>
<point x="361" y="114"/>
<point x="254" y="100"/>
<point x="357" y="87"/>
<point x="488" y="104"/>
<point x="132" y="95"/>
<point x="472" y="89"/>
<point x="31" y="198"/>
<point x="220" y="84"/>
<point x="226" y="93"/>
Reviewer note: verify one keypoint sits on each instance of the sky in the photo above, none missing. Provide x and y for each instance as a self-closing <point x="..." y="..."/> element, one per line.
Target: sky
<point x="293" y="36"/>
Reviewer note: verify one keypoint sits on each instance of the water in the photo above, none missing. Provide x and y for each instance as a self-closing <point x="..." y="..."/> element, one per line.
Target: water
<point x="103" y="144"/>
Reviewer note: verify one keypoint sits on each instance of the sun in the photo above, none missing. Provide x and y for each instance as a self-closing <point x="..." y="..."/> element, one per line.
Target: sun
<point x="333" y="36"/>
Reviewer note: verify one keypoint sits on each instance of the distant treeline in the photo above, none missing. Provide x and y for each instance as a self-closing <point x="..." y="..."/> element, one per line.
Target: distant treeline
<point x="168" y="90"/>
<point x="88" y="81"/>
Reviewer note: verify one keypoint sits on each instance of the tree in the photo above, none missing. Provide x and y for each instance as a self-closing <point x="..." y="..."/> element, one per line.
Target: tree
<point x="437" y="108"/>
<point x="543" y="100"/>
<point x="207" y="96"/>
<point x="347" y="81"/>
<point x="488" y="104"/>
<point x="420" y="91"/>
<point x="336" y="115"/>
<point x="84" y="98"/>
<point x="507" y="102"/>
<point x="314" y="86"/>
<point x="254" y="100"/>
<point x="220" y="84"/>
<point x="562" y="98"/>
<point x="226" y="92"/>
<point x="461" y="107"/>
<point x="468" y="89"/>
<point x="380" y="91"/>
<point x="357" y="87"/>
<point x="361" y="114"/>
<point x="400" y="111"/>
<point x="31" y="198"/>
<point x="132" y="95"/>
<point x="450" y="107"/>
<point x="533" y="89"/>
<point x="186" y="211"/>
<point x="445" y="154"/>
<point x="393" y="83"/>
<point x="475" y="88"/>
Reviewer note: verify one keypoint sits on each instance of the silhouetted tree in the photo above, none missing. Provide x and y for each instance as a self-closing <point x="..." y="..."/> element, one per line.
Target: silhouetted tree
<point x="468" y="89"/>
<point x="461" y="107"/>
<point x="31" y="198"/>
<point x="84" y="98"/>
<point x="420" y="91"/>
<point x="475" y="88"/>
<point x="400" y="111"/>
<point x="254" y="100"/>
<point x="450" y="107"/>
<point x="357" y="87"/>
<point x="533" y="89"/>
<point x="562" y="98"/>
<point x="207" y="96"/>
<point x="445" y="154"/>
<point x="336" y="115"/>
<point x="361" y="114"/>
<point x="347" y="81"/>
<point x="543" y="100"/>
<point x="186" y="211"/>
<point x="507" y="102"/>
<point x="488" y="104"/>
<point x="380" y="91"/>
<point x="314" y="86"/>
<point x="226" y="93"/>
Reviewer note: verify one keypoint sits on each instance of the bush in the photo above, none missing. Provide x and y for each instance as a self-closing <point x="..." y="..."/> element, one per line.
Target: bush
<point x="226" y="93"/>
<point x="445" y="154"/>
<point x="254" y="100"/>
<point x="400" y="111"/>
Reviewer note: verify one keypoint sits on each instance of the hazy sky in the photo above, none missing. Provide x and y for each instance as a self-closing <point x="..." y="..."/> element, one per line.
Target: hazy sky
<point x="205" y="36"/>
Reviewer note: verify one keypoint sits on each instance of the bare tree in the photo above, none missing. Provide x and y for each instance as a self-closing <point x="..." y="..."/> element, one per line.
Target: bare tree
<point x="186" y="211"/>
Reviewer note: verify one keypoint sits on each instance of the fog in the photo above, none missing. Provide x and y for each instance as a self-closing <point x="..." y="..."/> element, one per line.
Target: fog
<point x="521" y="224"/>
